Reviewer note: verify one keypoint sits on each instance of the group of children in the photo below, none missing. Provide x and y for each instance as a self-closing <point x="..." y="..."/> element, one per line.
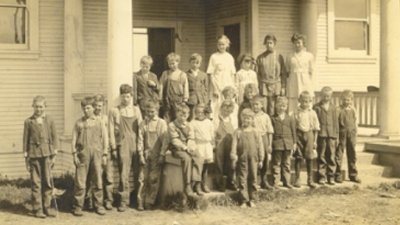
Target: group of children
<point x="235" y="120"/>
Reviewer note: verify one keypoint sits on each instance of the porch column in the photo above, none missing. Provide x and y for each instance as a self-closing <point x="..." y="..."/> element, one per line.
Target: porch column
<point x="73" y="60"/>
<point x="308" y="23"/>
<point x="254" y="27"/>
<point x="119" y="47"/>
<point x="389" y="91"/>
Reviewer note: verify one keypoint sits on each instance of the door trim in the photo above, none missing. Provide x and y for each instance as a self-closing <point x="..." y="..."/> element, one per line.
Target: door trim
<point x="241" y="20"/>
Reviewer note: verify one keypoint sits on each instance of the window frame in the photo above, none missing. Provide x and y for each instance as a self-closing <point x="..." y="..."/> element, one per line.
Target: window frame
<point x="30" y="49"/>
<point x="354" y="56"/>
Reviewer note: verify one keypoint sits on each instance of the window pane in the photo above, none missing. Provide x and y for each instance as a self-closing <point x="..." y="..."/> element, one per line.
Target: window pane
<point x="351" y="8"/>
<point x="12" y="25"/>
<point x="351" y="35"/>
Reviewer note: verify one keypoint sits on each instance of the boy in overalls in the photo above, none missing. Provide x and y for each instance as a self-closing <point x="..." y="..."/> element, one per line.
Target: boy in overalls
<point x="123" y="128"/>
<point x="151" y="142"/>
<point x="89" y="150"/>
<point x="248" y="152"/>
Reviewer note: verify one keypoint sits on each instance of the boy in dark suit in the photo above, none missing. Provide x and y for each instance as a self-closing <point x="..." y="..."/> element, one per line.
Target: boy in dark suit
<point x="40" y="144"/>
<point x="327" y="114"/>
<point x="283" y="142"/>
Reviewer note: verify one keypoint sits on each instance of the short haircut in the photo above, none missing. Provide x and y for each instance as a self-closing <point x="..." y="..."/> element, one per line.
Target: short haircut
<point x="99" y="98"/>
<point x="224" y="38"/>
<point x="347" y="94"/>
<point x="270" y="37"/>
<point x="148" y="60"/>
<point x="326" y="89"/>
<point x="125" y="89"/>
<point x="297" y="37"/>
<point x="227" y="104"/>
<point x="281" y="100"/>
<point x="39" y="98"/>
<point x="151" y="104"/>
<point x="251" y="87"/>
<point x="304" y="94"/>
<point x="195" y="56"/>
<point x="182" y="108"/>
<point x="228" y="90"/>
<point x="88" y="100"/>
<point x="247" y="113"/>
<point x="173" y="57"/>
<point x="258" y="99"/>
<point x="201" y="107"/>
<point x="242" y="57"/>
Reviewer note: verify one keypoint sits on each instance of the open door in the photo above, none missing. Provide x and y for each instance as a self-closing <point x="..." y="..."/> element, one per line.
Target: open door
<point x="232" y="31"/>
<point x="161" y="43"/>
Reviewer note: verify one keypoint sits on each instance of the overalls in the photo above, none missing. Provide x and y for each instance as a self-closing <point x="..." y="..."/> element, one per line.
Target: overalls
<point x="90" y="151"/>
<point x="128" y="156"/>
<point x="149" y="178"/>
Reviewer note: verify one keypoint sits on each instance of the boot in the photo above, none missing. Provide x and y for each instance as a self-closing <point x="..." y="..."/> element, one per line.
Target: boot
<point x="297" y="167"/>
<point x="188" y="190"/>
<point x="309" y="166"/>
<point x="140" y="205"/>
<point x="222" y="185"/>
<point x="197" y="189"/>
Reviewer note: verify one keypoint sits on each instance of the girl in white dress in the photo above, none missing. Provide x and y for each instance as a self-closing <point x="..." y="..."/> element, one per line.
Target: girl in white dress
<point x="300" y="67"/>
<point x="245" y="75"/>
<point x="204" y="138"/>
<point x="221" y="68"/>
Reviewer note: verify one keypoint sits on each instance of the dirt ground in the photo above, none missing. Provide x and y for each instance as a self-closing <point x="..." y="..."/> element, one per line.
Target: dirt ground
<point x="379" y="205"/>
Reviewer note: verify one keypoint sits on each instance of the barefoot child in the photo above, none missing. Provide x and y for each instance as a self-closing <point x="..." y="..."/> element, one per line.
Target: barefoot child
<point x="248" y="152"/>
<point x="262" y="123"/>
<point x="145" y="83"/>
<point x="224" y="126"/>
<point x="151" y="142"/>
<point x="347" y="138"/>
<point x="199" y="92"/>
<point x="283" y="142"/>
<point x="89" y="150"/>
<point x="183" y="146"/>
<point x="307" y="130"/>
<point x="174" y="87"/>
<point x="245" y="75"/>
<point x="329" y="131"/>
<point x="40" y="145"/>
<point x="204" y="138"/>
<point x="271" y="74"/>
<point x="124" y="123"/>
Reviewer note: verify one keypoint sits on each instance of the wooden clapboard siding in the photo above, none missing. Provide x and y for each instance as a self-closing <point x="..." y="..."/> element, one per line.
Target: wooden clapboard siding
<point x="281" y="18"/>
<point x="223" y="9"/>
<point x="355" y="76"/>
<point x="21" y="79"/>
<point x="189" y="13"/>
<point x="95" y="45"/>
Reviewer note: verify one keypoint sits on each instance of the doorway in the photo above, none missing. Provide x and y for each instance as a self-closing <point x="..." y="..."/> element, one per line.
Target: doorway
<point x="232" y="31"/>
<point x="156" y="42"/>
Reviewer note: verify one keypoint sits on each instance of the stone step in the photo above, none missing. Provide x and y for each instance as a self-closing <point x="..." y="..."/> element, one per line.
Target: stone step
<point x="363" y="158"/>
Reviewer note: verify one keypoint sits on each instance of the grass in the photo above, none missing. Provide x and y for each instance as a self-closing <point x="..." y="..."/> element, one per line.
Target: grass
<point x="15" y="196"/>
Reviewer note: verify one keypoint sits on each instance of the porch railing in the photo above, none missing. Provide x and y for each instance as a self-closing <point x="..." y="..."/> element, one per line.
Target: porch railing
<point x="366" y="104"/>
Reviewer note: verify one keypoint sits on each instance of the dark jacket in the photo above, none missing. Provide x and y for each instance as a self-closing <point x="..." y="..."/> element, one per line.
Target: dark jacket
<point x="40" y="140"/>
<point x="284" y="136"/>
<point x="328" y="120"/>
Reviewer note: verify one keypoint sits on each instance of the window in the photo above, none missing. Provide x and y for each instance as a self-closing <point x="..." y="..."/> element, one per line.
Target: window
<point x="18" y="27"/>
<point x="350" y="36"/>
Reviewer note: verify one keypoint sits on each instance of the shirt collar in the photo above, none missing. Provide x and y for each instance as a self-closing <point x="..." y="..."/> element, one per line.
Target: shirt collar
<point x="41" y="116"/>
<point x="153" y="119"/>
